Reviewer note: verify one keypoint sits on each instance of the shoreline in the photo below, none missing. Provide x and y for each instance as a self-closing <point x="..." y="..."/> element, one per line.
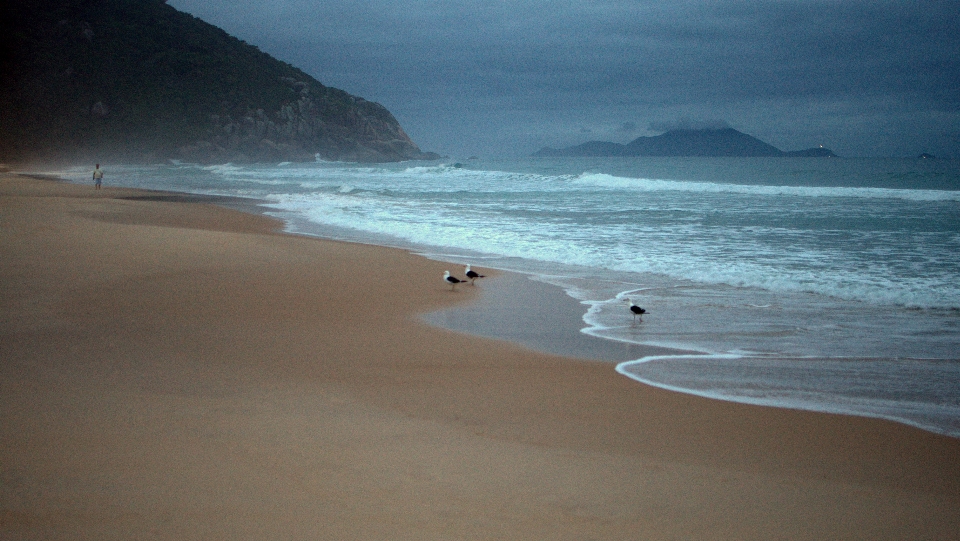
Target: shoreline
<point x="517" y="308"/>
<point x="170" y="359"/>
<point x="532" y="313"/>
<point x="522" y="309"/>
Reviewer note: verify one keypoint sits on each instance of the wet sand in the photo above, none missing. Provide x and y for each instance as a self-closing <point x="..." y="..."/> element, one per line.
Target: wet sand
<point x="540" y="316"/>
<point x="171" y="369"/>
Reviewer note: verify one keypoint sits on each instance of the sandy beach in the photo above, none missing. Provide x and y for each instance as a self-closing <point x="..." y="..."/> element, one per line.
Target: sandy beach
<point x="173" y="369"/>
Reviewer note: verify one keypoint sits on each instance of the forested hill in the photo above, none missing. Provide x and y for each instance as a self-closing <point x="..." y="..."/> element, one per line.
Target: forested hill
<point x="137" y="80"/>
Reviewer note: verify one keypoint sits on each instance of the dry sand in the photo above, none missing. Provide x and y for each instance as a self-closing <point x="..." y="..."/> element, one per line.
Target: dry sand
<point x="175" y="370"/>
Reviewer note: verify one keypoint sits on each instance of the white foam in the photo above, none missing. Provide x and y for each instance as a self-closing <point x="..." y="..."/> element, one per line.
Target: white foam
<point x="933" y="407"/>
<point x="657" y="185"/>
<point x="518" y="236"/>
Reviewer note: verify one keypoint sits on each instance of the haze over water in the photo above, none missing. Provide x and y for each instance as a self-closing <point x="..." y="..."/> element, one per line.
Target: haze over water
<point x="827" y="284"/>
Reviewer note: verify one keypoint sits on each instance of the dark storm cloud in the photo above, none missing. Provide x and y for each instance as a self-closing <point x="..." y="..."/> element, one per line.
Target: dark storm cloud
<point x="865" y="78"/>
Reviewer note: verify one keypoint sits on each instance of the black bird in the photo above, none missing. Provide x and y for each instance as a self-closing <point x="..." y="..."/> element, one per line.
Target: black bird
<point x="637" y="311"/>
<point x="453" y="281"/>
<point x="472" y="274"/>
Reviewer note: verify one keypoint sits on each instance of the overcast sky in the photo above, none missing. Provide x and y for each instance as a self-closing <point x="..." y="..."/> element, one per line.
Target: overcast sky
<point x="507" y="77"/>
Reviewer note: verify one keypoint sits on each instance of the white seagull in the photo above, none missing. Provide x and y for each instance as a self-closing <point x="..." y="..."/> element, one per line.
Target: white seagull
<point x="472" y="274"/>
<point x="637" y="311"/>
<point x="453" y="281"/>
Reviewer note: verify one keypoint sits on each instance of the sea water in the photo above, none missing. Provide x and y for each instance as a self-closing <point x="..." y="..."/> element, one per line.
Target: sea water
<point x="829" y="284"/>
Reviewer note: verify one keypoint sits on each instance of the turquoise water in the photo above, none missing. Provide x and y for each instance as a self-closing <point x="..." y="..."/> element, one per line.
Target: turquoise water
<point x="762" y="264"/>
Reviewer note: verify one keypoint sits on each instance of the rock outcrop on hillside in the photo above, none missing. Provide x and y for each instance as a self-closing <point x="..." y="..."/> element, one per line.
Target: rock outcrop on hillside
<point x="137" y="80"/>
<point x="299" y="131"/>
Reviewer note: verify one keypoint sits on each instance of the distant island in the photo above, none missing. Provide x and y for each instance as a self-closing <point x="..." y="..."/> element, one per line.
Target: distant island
<point x="139" y="81"/>
<point x="722" y="142"/>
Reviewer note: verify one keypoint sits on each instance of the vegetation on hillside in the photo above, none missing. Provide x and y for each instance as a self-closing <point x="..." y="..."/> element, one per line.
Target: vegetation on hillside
<point x="139" y="80"/>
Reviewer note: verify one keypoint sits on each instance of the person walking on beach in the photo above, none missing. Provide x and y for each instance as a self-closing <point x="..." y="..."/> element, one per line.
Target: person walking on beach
<point x="97" y="176"/>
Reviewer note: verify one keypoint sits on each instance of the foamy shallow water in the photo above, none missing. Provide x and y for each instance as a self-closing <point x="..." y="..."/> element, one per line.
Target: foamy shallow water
<point x="919" y="392"/>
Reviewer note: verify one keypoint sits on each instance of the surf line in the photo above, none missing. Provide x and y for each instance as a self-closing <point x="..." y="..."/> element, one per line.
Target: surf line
<point x="932" y="417"/>
<point x="623" y="369"/>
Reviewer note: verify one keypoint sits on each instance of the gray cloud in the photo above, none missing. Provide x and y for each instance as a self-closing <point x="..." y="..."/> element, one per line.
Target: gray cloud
<point x="505" y="77"/>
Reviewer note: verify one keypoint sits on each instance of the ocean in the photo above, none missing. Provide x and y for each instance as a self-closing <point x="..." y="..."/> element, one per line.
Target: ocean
<point x="829" y="284"/>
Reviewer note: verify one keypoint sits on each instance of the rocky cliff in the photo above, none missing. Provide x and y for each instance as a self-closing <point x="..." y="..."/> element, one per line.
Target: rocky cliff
<point x="304" y="130"/>
<point x="136" y="80"/>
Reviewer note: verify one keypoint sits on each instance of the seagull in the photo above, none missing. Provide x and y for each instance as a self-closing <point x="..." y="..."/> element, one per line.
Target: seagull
<point x="453" y="281"/>
<point x="637" y="311"/>
<point x="472" y="274"/>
